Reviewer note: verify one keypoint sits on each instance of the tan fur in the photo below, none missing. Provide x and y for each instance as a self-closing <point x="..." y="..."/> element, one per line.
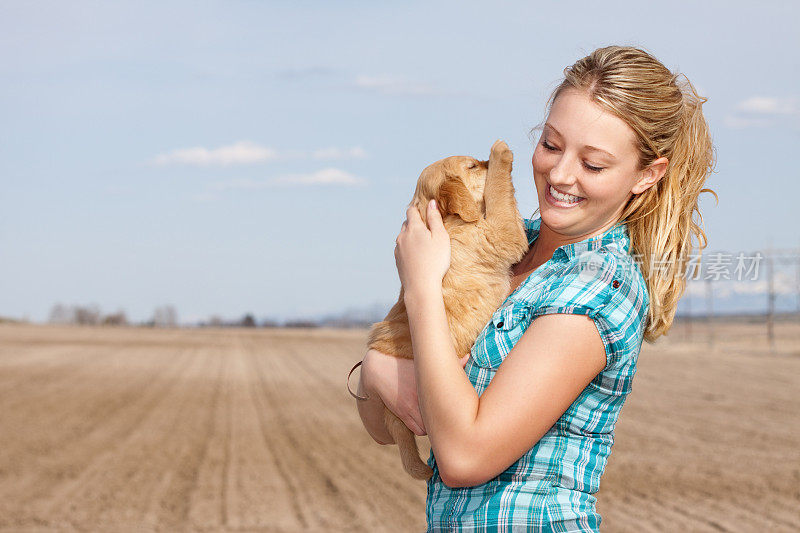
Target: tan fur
<point x="487" y="237"/>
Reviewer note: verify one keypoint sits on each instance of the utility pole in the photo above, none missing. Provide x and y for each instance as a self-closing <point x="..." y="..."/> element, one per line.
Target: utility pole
<point x="710" y="312"/>
<point x="770" y="301"/>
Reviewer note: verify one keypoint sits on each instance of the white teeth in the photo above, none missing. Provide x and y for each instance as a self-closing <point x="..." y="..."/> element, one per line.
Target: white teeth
<point x="561" y="197"/>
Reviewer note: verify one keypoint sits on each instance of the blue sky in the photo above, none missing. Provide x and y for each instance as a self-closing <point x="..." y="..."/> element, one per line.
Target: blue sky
<point x="232" y="157"/>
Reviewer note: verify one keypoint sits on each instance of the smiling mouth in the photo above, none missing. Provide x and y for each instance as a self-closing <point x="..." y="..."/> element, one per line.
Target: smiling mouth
<point x="562" y="199"/>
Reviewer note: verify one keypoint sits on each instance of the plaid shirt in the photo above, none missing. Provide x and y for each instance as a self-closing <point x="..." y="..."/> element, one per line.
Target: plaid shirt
<point x="550" y="487"/>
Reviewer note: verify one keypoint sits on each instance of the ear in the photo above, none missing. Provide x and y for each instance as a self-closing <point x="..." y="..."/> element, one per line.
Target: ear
<point x="650" y="175"/>
<point x="454" y="198"/>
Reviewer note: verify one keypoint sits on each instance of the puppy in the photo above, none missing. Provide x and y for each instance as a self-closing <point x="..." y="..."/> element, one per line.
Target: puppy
<point x="487" y="237"/>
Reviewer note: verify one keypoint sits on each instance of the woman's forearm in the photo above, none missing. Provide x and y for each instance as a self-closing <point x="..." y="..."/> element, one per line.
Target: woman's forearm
<point x="371" y="411"/>
<point x="447" y="400"/>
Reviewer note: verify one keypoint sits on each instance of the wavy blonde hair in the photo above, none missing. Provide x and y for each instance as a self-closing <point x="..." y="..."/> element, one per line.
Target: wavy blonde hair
<point x="668" y="121"/>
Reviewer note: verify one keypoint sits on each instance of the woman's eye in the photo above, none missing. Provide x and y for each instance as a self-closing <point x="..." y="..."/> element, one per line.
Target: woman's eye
<point x="551" y="148"/>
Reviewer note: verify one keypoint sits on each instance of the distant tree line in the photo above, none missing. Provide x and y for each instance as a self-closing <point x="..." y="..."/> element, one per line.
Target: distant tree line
<point x="249" y="321"/>
<point x="85" y="315"/>
<point x="166" y="316"/>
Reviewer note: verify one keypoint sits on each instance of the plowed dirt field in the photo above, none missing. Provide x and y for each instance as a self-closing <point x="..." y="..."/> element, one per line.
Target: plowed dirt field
<point x="133" y="429"/>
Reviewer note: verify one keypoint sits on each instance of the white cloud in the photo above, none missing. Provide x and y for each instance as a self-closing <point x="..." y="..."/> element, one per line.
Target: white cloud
<point x="739" y="122"/>
<point x="769" y="106"/>
<point x="248" y="153"/>
<point x="242" y="152"/>
<point x="761" y="111"/>
<point x="337" y="153"/>
<point x="326" y="176"/>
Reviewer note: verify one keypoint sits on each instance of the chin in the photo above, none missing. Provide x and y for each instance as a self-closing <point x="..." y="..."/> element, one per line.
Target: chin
<point x="558" y="220"/>
<point x="565" y="224"/>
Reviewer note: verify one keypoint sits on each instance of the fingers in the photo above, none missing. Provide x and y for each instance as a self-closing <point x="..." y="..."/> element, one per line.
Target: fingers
<point x="412" y="216"/>
<point x="463" y="360"/>
<point x="403" y="227"/>
<point x="434" y="217"/>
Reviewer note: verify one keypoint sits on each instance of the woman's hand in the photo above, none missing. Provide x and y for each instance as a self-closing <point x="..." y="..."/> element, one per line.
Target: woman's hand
<point x="422" y="254"/>
<point x="394" y="380"/>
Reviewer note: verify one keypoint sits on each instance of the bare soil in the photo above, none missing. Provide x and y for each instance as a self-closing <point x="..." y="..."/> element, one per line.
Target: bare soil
<point x="134" y="429"/>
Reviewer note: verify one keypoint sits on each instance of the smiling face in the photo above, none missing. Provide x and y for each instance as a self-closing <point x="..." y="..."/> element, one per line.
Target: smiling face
<point x="585" y="166"/>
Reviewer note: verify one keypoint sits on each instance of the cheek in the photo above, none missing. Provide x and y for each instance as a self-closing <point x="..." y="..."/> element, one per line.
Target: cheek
<point x="610" y="194"/>
<point x="539" y="162"/>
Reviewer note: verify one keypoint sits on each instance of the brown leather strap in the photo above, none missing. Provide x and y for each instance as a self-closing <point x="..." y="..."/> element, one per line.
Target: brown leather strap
<point x="356" y="396"/>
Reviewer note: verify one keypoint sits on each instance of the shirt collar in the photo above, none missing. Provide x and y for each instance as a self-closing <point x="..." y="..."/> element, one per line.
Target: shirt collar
<point x="617" y="234"/>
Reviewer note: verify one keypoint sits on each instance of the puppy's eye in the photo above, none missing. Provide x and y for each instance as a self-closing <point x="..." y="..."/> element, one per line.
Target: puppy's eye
<point x="472" y="164"/>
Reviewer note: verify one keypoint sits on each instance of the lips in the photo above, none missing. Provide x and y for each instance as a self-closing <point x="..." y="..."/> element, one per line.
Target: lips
<point x="560" y="199"/>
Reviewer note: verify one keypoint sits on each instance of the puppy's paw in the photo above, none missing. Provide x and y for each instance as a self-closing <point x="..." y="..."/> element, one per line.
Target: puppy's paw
<point x="501" y="152"/>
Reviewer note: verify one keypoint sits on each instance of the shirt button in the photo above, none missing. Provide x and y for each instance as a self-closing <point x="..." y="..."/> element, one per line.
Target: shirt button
<point x="500" y="324"/>
<point x="615" y="284"/>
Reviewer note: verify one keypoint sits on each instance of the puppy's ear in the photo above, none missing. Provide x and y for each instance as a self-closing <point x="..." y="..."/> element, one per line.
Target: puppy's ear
<point x="454" y="198"/>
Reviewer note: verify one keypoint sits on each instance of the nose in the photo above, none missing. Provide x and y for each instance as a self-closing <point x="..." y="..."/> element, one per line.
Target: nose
<point x="564" y="171"/>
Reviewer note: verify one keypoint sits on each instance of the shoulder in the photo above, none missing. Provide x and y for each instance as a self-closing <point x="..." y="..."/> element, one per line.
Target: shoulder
<point x="629" y="298"/>
<point x="605" y="284"/>
<point x="583" y="281"/>
<point x="622" y="318"/>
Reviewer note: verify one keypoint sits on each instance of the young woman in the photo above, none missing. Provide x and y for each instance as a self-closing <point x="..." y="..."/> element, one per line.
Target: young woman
<point x="520" y="436"/>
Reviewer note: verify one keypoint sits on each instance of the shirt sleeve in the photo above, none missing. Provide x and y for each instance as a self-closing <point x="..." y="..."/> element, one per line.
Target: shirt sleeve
<point x="609" y="290"/>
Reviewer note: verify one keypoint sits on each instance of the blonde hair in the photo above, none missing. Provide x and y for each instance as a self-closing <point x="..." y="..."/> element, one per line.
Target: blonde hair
<point x="668" y="121"/>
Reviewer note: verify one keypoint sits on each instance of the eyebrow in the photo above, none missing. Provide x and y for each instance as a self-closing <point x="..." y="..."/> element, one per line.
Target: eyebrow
<point x="591" y="148"/>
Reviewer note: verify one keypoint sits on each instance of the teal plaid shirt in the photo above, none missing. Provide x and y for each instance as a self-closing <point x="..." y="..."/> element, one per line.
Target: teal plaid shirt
<point x="551" y="487"/>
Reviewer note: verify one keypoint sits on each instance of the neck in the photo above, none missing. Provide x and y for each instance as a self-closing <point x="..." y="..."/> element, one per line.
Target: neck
<point x="549" y="240"/>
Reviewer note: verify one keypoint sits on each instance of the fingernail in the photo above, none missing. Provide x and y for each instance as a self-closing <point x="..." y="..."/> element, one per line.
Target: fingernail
<point x="432" y="204"/>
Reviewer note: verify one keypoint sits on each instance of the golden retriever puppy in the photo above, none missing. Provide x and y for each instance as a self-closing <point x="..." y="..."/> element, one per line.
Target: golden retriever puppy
<point x="487" y="237"/>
